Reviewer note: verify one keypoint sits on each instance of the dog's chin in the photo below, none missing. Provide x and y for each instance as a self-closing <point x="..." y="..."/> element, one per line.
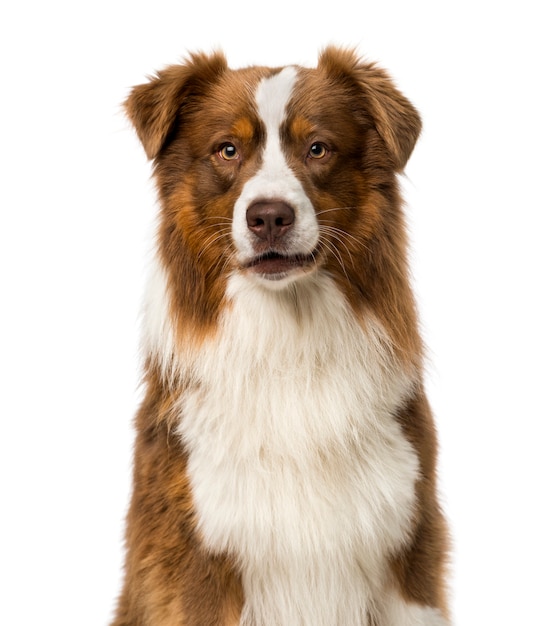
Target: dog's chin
<point x="277" y="270"/>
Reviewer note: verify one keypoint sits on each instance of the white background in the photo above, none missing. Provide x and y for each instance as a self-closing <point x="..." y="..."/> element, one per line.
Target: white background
<point x="76" y="211"/>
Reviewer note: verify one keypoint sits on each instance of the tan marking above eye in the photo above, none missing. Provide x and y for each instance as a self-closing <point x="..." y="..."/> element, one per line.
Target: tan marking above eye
<point x="243" y="129"/>
<point x="301" y="128"/>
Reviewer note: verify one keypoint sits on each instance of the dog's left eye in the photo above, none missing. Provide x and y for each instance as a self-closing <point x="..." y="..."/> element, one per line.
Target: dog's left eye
<point x="228" y="152"/>
<point x="318" y="150"/>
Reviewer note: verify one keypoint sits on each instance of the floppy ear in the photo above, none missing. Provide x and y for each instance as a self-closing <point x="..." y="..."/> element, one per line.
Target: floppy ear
<point x="153" y="107"/>
<point x="396" y="119"/>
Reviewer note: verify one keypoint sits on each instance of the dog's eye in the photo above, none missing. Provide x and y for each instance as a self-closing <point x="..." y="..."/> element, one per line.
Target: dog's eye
<point x="228" y="152"/>
<point x="318" y="150"/>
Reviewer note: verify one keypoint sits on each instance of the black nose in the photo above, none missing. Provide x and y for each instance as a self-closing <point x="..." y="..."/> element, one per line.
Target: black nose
<point x="269" y="220"/>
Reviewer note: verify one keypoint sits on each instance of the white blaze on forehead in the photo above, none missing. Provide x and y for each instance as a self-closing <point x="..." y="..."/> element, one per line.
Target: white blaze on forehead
<point x="272" y="97"/>
<point x="275" y="180"/>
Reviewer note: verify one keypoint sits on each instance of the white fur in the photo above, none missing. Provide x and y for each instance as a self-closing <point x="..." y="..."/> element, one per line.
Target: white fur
<point x="297" y="465"/>
<point x="158" y="338"/>
<point x="275" y="180"/>
<point x="395" y="611"/>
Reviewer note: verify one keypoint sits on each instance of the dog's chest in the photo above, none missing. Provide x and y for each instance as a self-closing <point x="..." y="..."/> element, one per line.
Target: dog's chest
<point x="297" y="465"/>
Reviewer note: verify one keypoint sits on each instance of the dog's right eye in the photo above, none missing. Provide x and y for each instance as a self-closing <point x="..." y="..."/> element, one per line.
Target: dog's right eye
<point x="228" y="152"/>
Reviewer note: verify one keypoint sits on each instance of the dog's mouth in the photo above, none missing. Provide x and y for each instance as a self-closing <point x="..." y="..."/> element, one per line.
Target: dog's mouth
<point x="274" y="265"/>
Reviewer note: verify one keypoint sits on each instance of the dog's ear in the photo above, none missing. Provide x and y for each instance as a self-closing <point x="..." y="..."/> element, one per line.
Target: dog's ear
<point x="154" y="106"/>
<point x="395" y="118"/>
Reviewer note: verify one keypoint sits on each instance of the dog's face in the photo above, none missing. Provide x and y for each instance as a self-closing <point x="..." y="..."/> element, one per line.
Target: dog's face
<point x="273" y="174"/>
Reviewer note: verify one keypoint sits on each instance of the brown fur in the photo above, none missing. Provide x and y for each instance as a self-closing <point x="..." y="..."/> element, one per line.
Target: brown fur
<point x="170" y="579"/>
<point x="182" y="116"/>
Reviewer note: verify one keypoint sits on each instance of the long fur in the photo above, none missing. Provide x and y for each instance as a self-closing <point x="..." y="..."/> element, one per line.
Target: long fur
<point x="285" y="454"/>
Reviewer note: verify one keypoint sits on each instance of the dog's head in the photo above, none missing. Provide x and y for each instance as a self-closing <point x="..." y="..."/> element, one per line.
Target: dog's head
<point x="273" y="173"/>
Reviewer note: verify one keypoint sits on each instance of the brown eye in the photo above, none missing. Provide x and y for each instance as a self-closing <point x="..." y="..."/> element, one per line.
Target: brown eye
<point x="318" y="151"/>
<point x="228" y="152"/>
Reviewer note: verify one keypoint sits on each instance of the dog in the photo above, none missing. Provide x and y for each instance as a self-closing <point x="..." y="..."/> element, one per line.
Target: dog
<point x="285" y="455"/>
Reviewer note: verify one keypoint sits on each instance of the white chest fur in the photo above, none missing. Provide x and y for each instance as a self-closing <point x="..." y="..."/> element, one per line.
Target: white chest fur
<point x="297" y="465"/>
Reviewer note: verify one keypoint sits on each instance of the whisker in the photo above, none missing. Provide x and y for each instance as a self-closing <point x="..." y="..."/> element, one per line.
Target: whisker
<point x="209" y="227"/>
<point x="340" y="234"/>
<point x="338" y="208"/>
<point x="224" y="260"/>
<point x="333" y="250"/>
<point x="212" y="240"/>
<point x="218" y="217"/>
<point x="336" y="233"/>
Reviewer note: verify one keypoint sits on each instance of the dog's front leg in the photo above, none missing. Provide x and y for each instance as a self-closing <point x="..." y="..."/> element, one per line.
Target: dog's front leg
<point x="171" y="579"/>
